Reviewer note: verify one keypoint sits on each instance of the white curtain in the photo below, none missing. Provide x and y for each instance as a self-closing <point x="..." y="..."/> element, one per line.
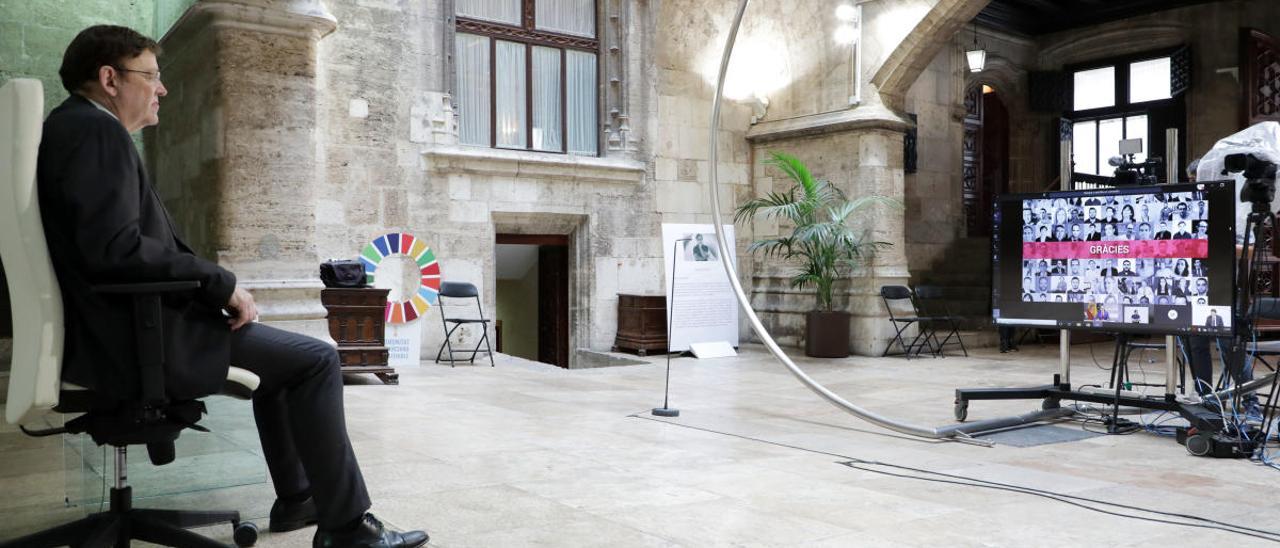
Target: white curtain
<point x="581" y="89"/>
<point x="567" y="16"/>
<point x="472" y="102"/>
<point x="546" y="99"/>
<point x="504" y="11"/>
<point x="509" y="80"/>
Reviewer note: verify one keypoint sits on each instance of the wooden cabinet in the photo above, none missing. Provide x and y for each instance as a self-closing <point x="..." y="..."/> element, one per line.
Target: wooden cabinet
<point x="642" y="323"/>
<point x="357" y="323"/>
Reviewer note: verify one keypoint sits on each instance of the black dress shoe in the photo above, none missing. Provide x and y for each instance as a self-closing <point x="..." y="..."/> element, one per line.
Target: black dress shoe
<point x="291" y="516"/>
<point x="369" y="534"/>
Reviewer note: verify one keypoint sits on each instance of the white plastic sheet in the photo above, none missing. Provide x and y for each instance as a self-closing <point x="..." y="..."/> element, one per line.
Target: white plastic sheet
<point x="1261" y="140"/>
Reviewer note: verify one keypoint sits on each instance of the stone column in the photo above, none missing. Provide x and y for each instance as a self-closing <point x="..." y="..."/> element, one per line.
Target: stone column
<point x="859" y="150"/>
<point x="237" y="152"/>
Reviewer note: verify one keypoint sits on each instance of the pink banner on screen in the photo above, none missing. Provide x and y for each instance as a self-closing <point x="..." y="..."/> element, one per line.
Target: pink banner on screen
<point x="1122" y="249"/>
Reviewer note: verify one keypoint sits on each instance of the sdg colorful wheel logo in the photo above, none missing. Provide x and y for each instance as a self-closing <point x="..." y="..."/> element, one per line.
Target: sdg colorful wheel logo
<point x="416" y="302"/>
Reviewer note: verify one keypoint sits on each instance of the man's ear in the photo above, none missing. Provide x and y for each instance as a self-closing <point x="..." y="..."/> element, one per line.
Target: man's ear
<point x="107" y="80"/>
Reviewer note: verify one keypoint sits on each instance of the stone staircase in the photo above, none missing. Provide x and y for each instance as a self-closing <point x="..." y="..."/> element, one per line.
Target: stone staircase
<point x="964" y="274"/>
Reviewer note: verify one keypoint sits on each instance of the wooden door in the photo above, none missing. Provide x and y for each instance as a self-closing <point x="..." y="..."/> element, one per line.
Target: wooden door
<point x="971" y="165"/>
<point x="553" y="304"/>
<point x="1260" y="74"/>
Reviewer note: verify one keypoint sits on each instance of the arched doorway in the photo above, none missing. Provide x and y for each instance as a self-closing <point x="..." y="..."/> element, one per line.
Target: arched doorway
<point x="985" y="156"/>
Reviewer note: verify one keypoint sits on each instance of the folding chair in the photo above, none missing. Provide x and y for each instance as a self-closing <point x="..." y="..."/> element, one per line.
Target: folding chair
<point x="901" y="296"/>
<point x="932" y="303"/>
<point x="462" y="290"/>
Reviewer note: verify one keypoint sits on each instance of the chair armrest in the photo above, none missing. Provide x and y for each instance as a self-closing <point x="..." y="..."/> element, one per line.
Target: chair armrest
<point x="240" y="383"/>
<point x="148" y="287"/>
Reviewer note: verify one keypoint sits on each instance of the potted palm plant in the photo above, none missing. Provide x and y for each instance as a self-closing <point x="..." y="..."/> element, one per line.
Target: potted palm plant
<point x="821" y="242"/>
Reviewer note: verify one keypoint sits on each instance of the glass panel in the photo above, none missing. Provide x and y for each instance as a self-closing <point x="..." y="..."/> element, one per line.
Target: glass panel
<point x="1109" y="134"/>
<point x="1149" y="80"/>
<point x="472" y="102"/>
<point x="1084" y="147"/>
<point x="1135" y="127"/>
<point x="581" y="99"/>
<point x="567" y="16"/>
<point x="547" y="131"/>
<point x="510" y="89"/>
<point x="503" y="11"/>
<point x="1095" y="88"/>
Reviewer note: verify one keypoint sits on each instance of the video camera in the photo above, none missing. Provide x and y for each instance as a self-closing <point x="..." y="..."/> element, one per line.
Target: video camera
<point x="1259" y="179"/>
<point x="1129" y="172"/>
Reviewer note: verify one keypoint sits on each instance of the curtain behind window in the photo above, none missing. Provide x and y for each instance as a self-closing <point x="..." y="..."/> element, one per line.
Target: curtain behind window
<point x="581" y="99"/>
<point x="509" y="77"/>
<point x="504" y="11"/>
<point x="546" y="99"/>
<point x="567" y="16"/>
<point x="472" y="102"/>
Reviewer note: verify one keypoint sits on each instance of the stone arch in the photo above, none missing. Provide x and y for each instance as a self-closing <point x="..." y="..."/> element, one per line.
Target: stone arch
<point x="934" y="31"/>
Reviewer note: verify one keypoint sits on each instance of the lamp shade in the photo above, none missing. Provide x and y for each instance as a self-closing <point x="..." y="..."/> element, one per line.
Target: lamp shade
<point x="977" y="59"/>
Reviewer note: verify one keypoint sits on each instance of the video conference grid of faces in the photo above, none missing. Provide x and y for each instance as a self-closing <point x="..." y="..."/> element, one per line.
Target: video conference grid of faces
<point x="1172" y="216"/>
<point x="1120" y="289"/>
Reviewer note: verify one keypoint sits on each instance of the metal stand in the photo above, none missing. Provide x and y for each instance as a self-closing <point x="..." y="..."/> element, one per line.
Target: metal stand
<point x="666" y="410"/>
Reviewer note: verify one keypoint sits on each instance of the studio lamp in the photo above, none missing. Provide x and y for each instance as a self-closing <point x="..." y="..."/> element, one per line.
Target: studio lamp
<point x="976" y="56"/>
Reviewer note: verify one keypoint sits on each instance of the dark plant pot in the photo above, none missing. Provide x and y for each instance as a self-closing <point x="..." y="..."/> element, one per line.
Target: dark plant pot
<point x="827" y="334"/>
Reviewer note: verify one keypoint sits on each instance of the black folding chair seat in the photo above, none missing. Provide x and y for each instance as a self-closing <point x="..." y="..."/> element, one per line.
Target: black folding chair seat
<point x="932" y="300"/>
<point x="901" y="296"/>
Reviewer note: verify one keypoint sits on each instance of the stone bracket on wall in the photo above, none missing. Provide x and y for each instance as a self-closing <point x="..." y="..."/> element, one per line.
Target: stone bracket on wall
<point x="292" y="17"/>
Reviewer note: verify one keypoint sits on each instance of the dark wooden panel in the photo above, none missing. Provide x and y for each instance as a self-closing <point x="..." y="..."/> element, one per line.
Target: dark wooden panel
<point x="1034" y="17"/>
<point x="642" y="323"/>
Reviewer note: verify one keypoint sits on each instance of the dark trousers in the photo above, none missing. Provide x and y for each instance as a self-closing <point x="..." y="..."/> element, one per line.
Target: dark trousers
<point x="301" y="422"/>
<point x="1201" y="357"/>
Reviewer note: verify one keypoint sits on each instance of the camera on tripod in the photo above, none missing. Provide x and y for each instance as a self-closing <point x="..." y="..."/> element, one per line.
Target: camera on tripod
<point x="1129" y="172"/>
<point x="1259" y="179"/>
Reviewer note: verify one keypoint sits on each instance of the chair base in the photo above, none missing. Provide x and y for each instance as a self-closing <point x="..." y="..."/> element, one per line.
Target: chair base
<point x="122" y="524"/>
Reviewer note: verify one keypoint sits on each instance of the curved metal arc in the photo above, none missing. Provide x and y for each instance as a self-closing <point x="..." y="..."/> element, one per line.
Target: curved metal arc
<point x="758" y="327"/>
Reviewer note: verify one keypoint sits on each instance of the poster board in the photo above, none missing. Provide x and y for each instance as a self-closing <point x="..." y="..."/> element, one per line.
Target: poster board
<point x="705" y="308"/>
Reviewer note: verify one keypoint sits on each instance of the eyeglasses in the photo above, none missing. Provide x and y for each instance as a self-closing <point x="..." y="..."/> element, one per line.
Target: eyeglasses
<point x="147" y="75"/>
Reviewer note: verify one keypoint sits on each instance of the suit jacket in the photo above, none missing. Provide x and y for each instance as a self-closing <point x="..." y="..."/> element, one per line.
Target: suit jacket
<point x="105" y="224"/>
<point x="1213" y="321"/>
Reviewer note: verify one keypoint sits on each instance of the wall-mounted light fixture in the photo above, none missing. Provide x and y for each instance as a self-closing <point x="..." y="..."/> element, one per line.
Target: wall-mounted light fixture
<point x="976" y="56"/>
<point x="849" y="33"/>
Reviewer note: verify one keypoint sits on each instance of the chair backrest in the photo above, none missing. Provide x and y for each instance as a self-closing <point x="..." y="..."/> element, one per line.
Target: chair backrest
<point x="898" y="300"/>
<point x="458" y="290"/>
<point x="36" y="371"/>
<point x="931" y="300"/>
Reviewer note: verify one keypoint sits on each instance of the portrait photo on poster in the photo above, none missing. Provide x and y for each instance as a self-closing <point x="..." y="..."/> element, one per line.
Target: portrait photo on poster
<point x="701" y="247"/>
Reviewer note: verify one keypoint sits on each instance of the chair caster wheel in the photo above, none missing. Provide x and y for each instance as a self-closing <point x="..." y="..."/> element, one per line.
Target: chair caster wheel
<point x="244" y="534"/>
<point x="962" y="411"/>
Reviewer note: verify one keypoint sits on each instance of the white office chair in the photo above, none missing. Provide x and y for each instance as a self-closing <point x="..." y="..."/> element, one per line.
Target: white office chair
<point x="35" y="387"/>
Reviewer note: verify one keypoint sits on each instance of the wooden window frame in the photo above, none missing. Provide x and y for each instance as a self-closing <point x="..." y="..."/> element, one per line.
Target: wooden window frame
<point x="529" y="35"/>
<point x="1122" y="107"/>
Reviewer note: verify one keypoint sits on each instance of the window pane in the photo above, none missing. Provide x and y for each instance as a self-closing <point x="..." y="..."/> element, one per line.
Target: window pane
<point x="1149" y="80"/>
<point x="1135" y="127"/>
<point x="505" y="11"/>
<point x="472" y="102"/>
<point x="581" y="99"/>
<point x="567" y="16"/>
<point x="509" y="80"/>
<point x="1095" y="88"/>
<point x="1084" y="147"/>
<point x="546" y="99"/>
<point x="1109" y="134"/>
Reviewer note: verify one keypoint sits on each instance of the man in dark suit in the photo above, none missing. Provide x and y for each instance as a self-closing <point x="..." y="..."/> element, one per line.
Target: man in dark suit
<point x="1214" y="320"/>
<point x="105" y="224"/>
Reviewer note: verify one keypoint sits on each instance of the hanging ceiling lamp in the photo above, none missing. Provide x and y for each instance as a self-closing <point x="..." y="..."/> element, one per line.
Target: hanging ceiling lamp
<point x="976" y="56"/>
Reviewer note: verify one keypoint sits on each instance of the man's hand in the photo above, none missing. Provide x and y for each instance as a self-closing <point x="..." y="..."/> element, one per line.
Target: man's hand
<point x="242" y="308"/>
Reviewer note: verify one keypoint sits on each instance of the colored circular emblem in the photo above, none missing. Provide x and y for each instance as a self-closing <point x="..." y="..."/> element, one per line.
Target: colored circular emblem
<point x="416" y="302"/>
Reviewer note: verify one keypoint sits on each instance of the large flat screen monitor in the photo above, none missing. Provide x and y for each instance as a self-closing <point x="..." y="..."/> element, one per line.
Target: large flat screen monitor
<point x="1144" y="259"/>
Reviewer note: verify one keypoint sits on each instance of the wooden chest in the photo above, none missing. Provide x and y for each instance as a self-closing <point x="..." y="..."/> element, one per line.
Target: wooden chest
<point x="357" y="323"/>
<point x="642" y="323"/>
